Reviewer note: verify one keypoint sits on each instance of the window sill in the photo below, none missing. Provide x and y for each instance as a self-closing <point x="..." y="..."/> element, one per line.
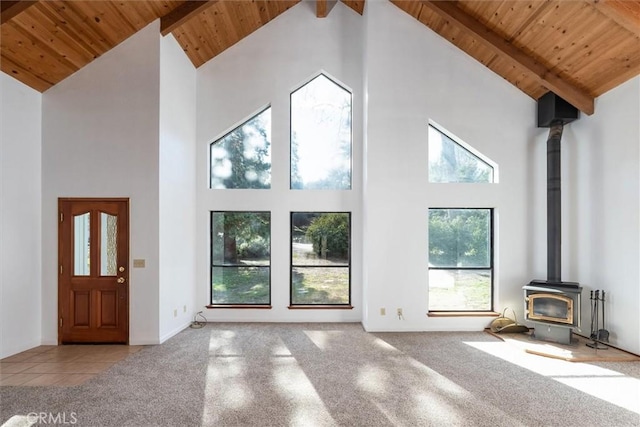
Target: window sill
<point x="320" y="307"/>
<point x="462" y="314"/>
<point x="255" y="306"/>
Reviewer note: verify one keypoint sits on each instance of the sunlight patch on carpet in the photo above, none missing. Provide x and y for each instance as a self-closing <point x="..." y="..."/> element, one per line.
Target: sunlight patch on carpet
<point x="322" y="339"/>
<point x="605" y="384"/>
<point x="373" y="379"/>
<point x="20" y="421"/>
<point x="293" y="385"/>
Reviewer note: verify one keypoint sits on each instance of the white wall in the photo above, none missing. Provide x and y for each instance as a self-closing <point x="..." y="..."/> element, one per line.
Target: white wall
<point x="601" y="209"/>
<point x="260" y="70"/>
<point x="413" y="76"/>
<point x="123" y="127"/>
<point x="177" y="189"/>
<point x="20" y="215"/>
<point x="100" y="130"/>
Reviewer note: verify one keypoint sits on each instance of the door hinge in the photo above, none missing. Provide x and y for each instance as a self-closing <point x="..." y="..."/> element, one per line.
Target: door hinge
<point x="61" y="322"/>
<point x="60" y="269"/>
<point x="61" y="217"/>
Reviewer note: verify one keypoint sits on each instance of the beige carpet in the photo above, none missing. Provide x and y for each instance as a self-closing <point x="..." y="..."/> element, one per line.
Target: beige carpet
<point x="314" y="375"/>
<point x="578" y="351"/>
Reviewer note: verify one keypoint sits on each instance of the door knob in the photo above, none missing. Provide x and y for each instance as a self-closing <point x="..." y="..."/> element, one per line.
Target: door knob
<point x="120" y="269"/>
<point x="120" y="280"/>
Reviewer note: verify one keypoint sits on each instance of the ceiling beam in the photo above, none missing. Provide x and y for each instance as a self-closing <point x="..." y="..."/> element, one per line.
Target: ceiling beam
<point x="182" y="14"/>
<point x="468" y="25"/>
<point x="624" y="13"/>
<point x="323" y="7"/>
<point x="9" y="9"/>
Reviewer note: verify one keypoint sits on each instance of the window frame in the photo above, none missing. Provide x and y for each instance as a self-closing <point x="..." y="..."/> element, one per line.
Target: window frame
<point x="490" y="268"/>
<point x="350" y="92"/>
<point x="213" y="304"/>
<point x="293" y="305"/>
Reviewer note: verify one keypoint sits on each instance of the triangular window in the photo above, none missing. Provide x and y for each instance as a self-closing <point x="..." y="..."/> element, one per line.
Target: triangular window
<point x="451" y="160"/>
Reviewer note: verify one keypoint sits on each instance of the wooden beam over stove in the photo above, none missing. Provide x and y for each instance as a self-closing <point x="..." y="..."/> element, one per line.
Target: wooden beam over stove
<point x="467" y="24"/>
<point x="9" y="9"/>
<point x="182" y="14"/>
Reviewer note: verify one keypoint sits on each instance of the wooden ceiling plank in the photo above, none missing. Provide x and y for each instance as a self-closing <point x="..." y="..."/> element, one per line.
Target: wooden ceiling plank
<point x="63" y="27"/>
<point x="104" y="19"/>
<point x="624" y="13"/>
<point x="572" y="94"/>
<point x="47" y="33"/>
<point x="21" y="51"/>
<point x="208" y="35"/>
<point x="27" y="77"/>
<point x="182" y="14"/>
<point x="76" y="24"/>
<point x="263" y="11"/>
<point x="632" y="70"/>
<point x="573" y="61"/>
<point x="228" y="29"/>
<point x="541" y="9"/>
<point x="25" y="42"/>
<point x="568" y="33"/>
<point x="10" y="9"/>
<point x="240" y="15"/>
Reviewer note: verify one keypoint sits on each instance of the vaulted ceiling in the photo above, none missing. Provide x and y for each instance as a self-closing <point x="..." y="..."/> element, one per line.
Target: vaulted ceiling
<point x="578" y="49"/>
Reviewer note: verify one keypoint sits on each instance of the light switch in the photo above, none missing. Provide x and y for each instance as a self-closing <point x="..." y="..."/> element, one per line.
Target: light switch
<point x="138" y="263"/>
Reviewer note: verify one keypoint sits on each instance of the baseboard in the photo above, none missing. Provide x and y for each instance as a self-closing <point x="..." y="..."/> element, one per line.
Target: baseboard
<point x="608" y="345"/>
<point x="174" y="332"/>
<point x="18" y="348"/>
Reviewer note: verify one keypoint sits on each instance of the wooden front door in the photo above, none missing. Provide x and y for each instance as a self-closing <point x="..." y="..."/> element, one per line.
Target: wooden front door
<point x="93" y="283"/>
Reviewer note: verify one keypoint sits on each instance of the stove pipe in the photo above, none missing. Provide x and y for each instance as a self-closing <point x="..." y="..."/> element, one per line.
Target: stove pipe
<point x="554" y="204"/>
<point x="554" y="112"/>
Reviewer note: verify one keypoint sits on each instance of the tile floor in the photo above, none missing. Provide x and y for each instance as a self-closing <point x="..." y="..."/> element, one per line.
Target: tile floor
<point x="65" y="365"/>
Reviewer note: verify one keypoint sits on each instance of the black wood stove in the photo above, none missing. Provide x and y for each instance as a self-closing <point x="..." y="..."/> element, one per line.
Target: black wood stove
<point x="552" y="304"/>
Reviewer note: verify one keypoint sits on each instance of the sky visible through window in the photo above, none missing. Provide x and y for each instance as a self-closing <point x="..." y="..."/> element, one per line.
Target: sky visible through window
<point x="321" y="136"/>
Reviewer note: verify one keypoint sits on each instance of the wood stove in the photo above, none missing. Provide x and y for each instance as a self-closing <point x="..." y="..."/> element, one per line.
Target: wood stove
<point x="553" y="304"/>
<point x="557" y="304"/>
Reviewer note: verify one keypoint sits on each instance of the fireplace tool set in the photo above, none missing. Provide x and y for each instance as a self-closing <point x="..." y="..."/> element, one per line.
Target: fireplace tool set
<point x="598" y="334"/>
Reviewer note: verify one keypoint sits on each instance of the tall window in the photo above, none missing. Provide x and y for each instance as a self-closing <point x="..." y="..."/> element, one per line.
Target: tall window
<point x="242" y="158"/>
<point x="240" y="258"/>
<point x="321" y="136"/>
<point x="460" y="259"/>
<point x="454" y="161"/>
<point x="320" y="258"/>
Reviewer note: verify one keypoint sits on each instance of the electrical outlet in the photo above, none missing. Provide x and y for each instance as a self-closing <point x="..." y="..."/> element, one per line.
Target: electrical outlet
<point x="399" y="312"/>
<point x="175" y="313"/>
<point x="184" y="309"/>
<point x="383" y="311"/>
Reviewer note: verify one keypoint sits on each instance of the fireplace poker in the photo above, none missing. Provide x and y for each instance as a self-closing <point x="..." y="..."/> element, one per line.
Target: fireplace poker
<point x="603" y="334"/>
<point x="595" y="328"/>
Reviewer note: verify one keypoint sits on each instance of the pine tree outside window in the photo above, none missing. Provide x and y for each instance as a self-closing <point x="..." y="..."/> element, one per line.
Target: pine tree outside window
<point x="451" y="160"/>
<point x="242" y="158"/>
